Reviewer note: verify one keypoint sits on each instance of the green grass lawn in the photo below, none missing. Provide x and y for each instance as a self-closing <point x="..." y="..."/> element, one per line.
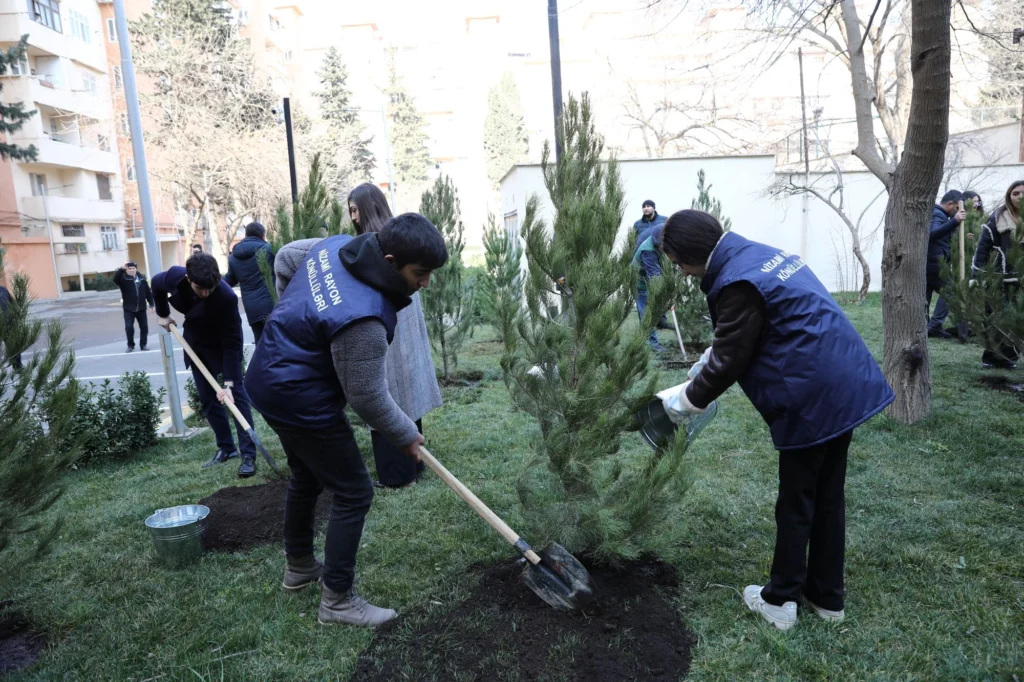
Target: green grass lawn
<point x="935" y="549"/>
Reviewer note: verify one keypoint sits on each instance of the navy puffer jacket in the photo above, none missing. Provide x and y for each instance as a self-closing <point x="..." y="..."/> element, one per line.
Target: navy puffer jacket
<point x="244" y="272"/>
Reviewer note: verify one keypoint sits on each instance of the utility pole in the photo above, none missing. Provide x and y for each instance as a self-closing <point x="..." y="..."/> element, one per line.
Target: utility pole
<point x="291" y="149"/>
<point x="131" y="96"/>
<point x="556" y="73"/>
<point x="49" y="233"/>
<point x="805" y="199"/>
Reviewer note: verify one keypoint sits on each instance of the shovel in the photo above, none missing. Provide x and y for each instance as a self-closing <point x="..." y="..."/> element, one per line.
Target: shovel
<point x="553" y="574"/>
<point x="246" y="426"/>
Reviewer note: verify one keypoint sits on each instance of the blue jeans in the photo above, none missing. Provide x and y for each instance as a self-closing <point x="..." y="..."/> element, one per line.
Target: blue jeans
<point x="641" y="305"/>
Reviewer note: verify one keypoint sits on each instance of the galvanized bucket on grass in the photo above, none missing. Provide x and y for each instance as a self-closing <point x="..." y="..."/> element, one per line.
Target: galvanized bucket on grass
<point x="177" y="533"/>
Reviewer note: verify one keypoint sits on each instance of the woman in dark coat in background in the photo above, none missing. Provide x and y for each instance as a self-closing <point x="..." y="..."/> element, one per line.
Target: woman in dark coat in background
<point x="412" y="378"/>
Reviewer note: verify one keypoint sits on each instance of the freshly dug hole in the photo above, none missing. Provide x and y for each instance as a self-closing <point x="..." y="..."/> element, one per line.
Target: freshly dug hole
<point x="242" y="517"/>
<point x="502" y="631"/>
<point x="20" y="643"/>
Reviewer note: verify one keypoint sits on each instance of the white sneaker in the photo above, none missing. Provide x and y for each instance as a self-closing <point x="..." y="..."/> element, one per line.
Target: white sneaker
<point x="783" y="617"/>
<point x="825" y="614"/>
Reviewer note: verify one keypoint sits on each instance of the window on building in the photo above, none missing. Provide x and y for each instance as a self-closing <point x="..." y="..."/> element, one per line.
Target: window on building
<point x="109" y="235"/>
<point x="76" y="247"/>
<point x="38" y="181"/>
<point x="89" y="83"/>
<point x="288" y="56"/>
<point x="118" y="83"/>
<point x="103" y="142"/>
<point x="80" y="26"/>
<point x="72" y="230"/>
<point x="20" y="67"/>
<point x="103" y="187"/>
<point x="125" y="128"/>
<point x="243" y="17"/>
<point x="274" y="24"/>
<point x="111" y="31"/>
<point x="129" y="169"/>
<point x="46" y="12"/>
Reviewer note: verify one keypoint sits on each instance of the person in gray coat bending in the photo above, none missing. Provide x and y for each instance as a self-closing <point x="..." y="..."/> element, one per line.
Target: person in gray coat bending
<point x="412" y="378"/>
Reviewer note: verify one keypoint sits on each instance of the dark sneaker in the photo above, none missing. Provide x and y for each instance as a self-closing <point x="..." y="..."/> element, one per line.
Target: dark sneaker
<point x="379" y="485"/>
<point x="131" y="349"/>
<point x="939" y="334"/>
<point x="143" y="348"/>
<point x="221" y="457"/>
<point x="301" y="572"/>
<point x="351" y="609"/>
<point x="247" y="468"/>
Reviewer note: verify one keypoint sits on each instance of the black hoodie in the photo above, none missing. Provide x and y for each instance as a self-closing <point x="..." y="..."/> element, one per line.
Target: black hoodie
<point x="364" y="259"/>
<point x="244" y="272"/>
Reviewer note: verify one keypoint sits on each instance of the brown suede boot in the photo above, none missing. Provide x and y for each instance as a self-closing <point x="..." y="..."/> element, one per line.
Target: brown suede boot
<point x="300" y="572"/>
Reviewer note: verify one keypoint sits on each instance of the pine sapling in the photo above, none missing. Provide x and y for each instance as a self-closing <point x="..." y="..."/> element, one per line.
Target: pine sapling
<point x="582" y="369"/>
<point x="502" y="287"/>
<point x="447" y="302"/>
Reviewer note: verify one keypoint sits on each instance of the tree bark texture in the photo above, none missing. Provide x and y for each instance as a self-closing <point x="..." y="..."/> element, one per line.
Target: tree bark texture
<point x="911" y="198"/>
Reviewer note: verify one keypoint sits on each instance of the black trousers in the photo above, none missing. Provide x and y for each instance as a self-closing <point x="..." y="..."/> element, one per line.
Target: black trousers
<point x="394" y="467"/>
<point x="216" y="414"/>
<point x="934" y="284"/>
<point x="810" y="519"/>
<point x="326" y="458"/>
<point x="257" y="330"/>
<point x="130" y="316"/>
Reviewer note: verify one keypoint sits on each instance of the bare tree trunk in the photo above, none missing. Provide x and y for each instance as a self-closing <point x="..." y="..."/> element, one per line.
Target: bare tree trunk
<point x="865" y="269"/>
<point x="913" y="189"/>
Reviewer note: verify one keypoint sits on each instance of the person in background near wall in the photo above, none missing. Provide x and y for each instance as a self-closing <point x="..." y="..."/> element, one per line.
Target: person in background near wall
<point x="997" y="238"/>
<point x="785" y="340"/>
<point x="244" y="272"/>
<point x="646" y="257"/>
<point x="196" y="248"/>
<point x="412" y="378"/>
<point x="135" y="295"/>
<point x="213" y="328"/>
<point x="946" y="218"/>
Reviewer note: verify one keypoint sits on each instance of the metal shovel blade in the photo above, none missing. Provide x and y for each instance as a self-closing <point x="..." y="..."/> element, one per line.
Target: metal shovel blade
<point x="263" y="451"/>
<point x="559" y="579"/>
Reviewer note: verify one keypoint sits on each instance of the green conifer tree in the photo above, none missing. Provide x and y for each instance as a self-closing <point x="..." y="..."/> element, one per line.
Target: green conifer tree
<point x="410" y="156"/>
<point x="506" y="141"/>
<point x="502" y="286"/>
<point x="13" y="114"/>
<point x="38" y="400"/>
<point x="447" y="304"/>
<point x="343" y="123"/>
<point x="583" y="373"/>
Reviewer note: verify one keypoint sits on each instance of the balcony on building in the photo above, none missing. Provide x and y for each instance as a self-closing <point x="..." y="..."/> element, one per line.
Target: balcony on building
<point x="50" y="32"/>
<point x="69" y="140"/>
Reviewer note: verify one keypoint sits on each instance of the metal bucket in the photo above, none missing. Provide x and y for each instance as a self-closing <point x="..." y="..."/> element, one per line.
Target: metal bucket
<point x="177" y="533"/>
<point x="657" y="429"/>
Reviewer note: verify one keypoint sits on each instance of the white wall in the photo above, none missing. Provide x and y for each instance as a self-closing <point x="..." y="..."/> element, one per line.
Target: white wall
<point x="741" y="183"/>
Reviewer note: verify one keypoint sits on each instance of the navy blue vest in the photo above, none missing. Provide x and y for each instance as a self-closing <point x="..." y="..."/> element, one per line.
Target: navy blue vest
<point x="812" y="378"/>
<point x="291" y="377"/>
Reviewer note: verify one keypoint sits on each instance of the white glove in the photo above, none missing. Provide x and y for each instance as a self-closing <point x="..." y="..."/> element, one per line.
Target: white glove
<point x="699" y="365"/>
<point x="676" y="404"/>
<point x="540" y="372"/>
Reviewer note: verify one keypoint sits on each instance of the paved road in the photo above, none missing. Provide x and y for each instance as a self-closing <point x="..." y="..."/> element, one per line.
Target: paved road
<point x="94" y="326"/>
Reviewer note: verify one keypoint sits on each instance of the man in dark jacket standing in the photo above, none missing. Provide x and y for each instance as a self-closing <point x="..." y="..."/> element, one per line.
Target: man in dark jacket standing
<point x="244" y="272"/>
<point x="946" y="218"/>
<point x="781" y="335"/>
<point x="135" y="295"/>
<point x="647" y="258"/>
<point x="213" y="328"/>
<point x="325" y="346"/>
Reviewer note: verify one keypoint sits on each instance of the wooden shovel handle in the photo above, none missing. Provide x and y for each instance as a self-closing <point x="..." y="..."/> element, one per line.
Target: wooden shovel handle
<point x="209" y="377"/>
<point x="473" y="501"/>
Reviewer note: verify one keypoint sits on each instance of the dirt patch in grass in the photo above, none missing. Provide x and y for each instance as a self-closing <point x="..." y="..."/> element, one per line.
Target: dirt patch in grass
<point x="503" y="631"/>
<point x="20" y="643"/>
<point x="248" y="516"/>
<point x="1001" y="383"/>
<point x="466" y="379"/>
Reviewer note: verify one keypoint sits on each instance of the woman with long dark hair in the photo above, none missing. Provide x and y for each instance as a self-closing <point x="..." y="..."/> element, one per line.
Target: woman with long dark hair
<point x="412" y="379"/>
<point x="996" y="241"/>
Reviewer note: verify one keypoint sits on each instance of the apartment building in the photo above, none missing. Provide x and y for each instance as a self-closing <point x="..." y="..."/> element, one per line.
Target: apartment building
<point x="62" y="215"/>
<point x="273" y="30"/>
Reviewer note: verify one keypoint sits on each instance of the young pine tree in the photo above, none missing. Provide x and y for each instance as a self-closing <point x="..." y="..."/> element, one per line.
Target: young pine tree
<point x="317" y="215"/>
<point x="410" y="156"/>
<point x="584" y="372"/>
<point x="38" y="400"/>
<point x="447" y="302"/>
<point x="344" y="129"/>
<point x="506" y="140"/>
<point x="502" y="286"/>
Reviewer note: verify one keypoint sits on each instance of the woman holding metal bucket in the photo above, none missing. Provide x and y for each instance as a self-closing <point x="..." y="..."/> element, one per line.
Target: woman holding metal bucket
<point x="782" y="337"/>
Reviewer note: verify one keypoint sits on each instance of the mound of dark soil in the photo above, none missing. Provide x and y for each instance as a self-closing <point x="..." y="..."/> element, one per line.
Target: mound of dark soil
<point x="467" y="379"/>
<point x="20" y="643"/>
<point x="631" y="631"/>
<point x="248" y="516"/>
<point x="1001" y="383"/>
